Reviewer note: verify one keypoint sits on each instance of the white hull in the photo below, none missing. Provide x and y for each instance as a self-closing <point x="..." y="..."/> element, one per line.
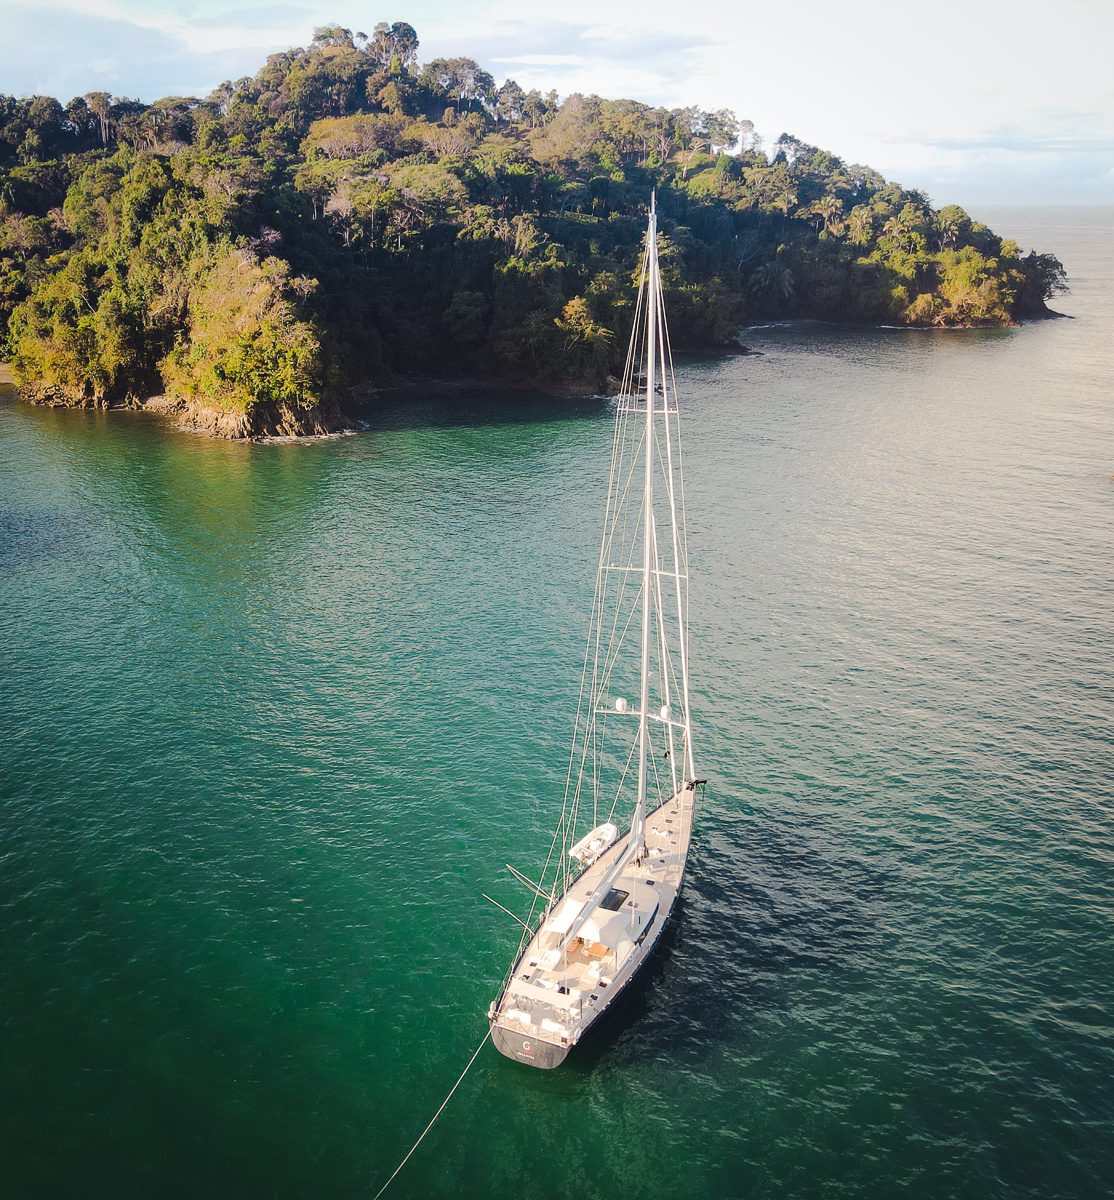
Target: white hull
<point x="548" y="1006"/>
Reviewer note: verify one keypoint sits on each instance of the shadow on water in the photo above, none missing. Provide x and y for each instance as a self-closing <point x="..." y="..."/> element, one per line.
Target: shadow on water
<point x="759" y="925"/>
<point x="637" y="1004"/>
<point x="744" y="940"/>
<point x="30" y="537"/>
<point x="475" y="407"/>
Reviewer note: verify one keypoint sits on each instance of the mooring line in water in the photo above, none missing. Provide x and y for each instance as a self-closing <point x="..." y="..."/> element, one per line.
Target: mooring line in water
<point x="435" y="1116"/>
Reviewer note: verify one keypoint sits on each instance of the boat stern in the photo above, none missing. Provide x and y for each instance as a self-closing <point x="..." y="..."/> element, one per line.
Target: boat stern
<point x="525" y="1048"/>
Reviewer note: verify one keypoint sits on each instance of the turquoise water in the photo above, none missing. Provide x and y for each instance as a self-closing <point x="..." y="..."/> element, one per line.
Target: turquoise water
<point x="275" y="715"/>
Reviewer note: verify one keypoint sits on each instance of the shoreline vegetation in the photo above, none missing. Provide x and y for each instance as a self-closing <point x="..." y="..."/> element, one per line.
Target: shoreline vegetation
<point x="261" y="261"/>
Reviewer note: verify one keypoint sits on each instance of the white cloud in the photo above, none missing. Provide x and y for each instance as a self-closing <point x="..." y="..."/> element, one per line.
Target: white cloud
<point x="541" y="60"/>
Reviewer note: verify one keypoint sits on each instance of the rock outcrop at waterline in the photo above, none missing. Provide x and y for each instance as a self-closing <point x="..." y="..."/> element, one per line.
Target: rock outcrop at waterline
<point x="263" y="420"/>
<point x="260" y="421"/>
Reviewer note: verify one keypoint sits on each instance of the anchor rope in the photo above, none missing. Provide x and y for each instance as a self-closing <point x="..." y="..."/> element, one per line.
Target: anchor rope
<point x="426" y="1130"/>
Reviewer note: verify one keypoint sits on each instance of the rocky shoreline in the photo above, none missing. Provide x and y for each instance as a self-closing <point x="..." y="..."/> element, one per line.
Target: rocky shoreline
<point x="263" y="422"/>
<point x="286" y="422"/>
<point x="327" y="418"/>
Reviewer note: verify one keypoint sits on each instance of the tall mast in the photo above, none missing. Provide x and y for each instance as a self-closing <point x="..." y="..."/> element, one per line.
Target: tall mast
<point x="637" y="838"/>
<point x="638" y="824"/>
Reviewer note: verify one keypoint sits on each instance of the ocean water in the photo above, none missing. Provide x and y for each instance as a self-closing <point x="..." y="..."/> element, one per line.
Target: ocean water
<point x="273" y="716"/>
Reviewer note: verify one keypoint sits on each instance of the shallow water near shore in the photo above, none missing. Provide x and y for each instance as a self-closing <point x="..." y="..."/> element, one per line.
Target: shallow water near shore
<point x="275" y="715"/>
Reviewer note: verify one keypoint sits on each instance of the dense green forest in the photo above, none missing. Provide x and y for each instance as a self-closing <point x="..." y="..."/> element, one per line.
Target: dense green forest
<point x="348" y="214"/>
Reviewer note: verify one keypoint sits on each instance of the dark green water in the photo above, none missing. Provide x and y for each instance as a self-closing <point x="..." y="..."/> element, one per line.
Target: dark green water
<point x="274" y="716"/>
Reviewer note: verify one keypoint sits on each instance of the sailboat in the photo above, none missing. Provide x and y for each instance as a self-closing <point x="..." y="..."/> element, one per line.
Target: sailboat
<point x="617" y="858"/>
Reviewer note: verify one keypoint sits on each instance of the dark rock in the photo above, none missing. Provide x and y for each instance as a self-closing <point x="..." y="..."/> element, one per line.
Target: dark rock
<point x="261" y="421"/>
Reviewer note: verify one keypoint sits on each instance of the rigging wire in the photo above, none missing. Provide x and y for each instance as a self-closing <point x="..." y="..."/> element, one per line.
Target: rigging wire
<point x="426" y="1130"/>
<point x="599" y="750"/>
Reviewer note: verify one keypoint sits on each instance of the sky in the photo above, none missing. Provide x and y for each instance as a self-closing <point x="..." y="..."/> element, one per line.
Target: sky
<point x="976" y="102"/>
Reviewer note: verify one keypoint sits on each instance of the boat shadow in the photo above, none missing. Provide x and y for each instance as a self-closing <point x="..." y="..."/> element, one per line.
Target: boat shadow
<point x="638" y="1005"/>
<point x="414" y="408"/>
<point x="741" y="943"/>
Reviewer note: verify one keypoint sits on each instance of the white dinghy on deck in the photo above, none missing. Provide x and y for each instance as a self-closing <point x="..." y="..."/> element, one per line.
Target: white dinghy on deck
<point x="604" y="899"/>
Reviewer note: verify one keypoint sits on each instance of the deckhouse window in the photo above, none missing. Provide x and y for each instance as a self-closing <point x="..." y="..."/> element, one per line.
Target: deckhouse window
<point x="613" y="901"/>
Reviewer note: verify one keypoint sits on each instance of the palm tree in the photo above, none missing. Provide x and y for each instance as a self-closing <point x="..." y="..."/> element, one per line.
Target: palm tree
<point x="788" y="196"/>
<point x="830" y="211"/>
<point x="860" y="225"/>
<point x="898" y="231"/>
<point x="773" y="280"/>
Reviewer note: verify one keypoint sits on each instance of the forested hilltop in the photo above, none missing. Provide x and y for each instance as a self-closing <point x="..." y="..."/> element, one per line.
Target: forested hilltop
<point x="348" y="213"/>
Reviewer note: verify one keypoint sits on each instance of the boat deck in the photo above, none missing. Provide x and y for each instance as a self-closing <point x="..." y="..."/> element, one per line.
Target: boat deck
<point x="555" y="993"/>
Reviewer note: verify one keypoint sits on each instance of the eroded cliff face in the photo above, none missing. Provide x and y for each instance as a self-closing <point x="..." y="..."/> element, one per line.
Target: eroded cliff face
<point x="260" y="421"/>
<point x="56" y="397"/>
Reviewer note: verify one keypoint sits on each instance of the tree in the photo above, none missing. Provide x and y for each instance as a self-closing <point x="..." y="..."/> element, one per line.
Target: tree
<point x="392" y="97"/>
<point x="404" y="42"/>
<point x="787" y="148"/>
<point x="510" y="102"/>
<point x="333" y="35"/>
<point x="829" y="210"/>
<point x="749" y="141"/>
<point x="351" y="137"/>
<point x="394" y="44"/>
<point x="772" y="280"/>
<point x="245" y="344"/>
<point x="722" y="129"/>
<point x="100" y="105"/>
<point x="586" y="339"/>
<point x="78" y="122"/>
<point x="774" y="187"/>
<point x="533" y="108"/>
<point x="860" y="225"/>
<point x="467" y="317"/>
<point x="462" y="79"/>
<point x="572" y="133"/>
<point x="452" y="139"/>
<point x="952" y="225"/>
<point x="1043" y="278"/>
